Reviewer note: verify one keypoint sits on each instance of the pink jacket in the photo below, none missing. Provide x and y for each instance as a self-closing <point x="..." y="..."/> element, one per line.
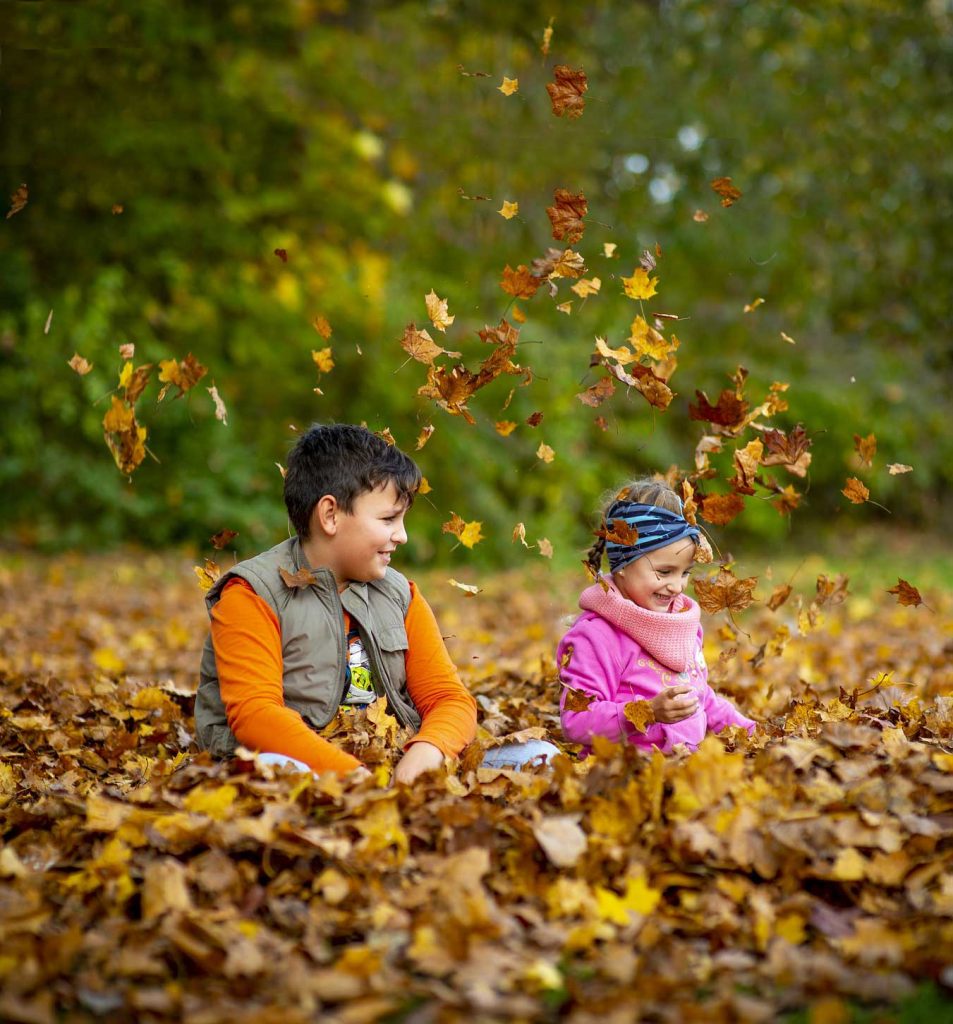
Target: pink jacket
<point x="621" y="652"/>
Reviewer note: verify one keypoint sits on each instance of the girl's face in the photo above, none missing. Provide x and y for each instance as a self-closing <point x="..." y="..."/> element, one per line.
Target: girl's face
<point x="656" y="579"/>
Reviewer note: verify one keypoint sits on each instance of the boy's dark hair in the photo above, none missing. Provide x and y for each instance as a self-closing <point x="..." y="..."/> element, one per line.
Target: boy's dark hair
<point x="344" y="461"/>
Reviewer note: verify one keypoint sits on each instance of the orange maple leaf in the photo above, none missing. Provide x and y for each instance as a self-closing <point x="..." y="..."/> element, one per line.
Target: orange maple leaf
<point x="720" y="509"/>
<point x="298" y="580"/>
<point x="597" y="393"/>
<point x="577" y="700"/>
<point x="184" y="375"/>
<point x="724" y="187"/>
<point x="566" y="92"/>
<point x="424" y="436"/>
<point x="618" y="531"/>
<point x="855" y="491"/>
<point x="779" y="595"/>
<point x="420" y="346"/>
<point x="730" y="410"/>
<point x="223" y="538"/>
<point x="906" y="594"/>
<point x="566" y="215"/>
<point x="726" y="591"/>
<point x="866" y="448"/>
<point x="323" y="359"/>
<point x="321" y="325"/>
<point x="519" y="283"/>
<point x="639" y="713"/>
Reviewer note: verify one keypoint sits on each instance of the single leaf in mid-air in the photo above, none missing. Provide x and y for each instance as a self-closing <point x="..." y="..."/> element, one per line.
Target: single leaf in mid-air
<point x="420" y="346"/>
<point x="866" y="448"/>
<point x="424" y="436"/>
<point x="566" y="92"/>
<point x="519" y="283"/>
<point x="508" y="210"/>
<point x="437" y="311"/>
<point x="80" y="365"/>
<point x="566" y="215"/>
<point x="321" y="325"/>
<point x="505" y="427"/>
<point x="18" y="200"/>
<point x="906" y="593"/>
<point x="509" y="86"/>
<point x="207" y="574"/>
<point x="724" y="187"/>
<point x="640" y="285"/>
<point x="544" y="453"/>
<point x="720" y="509"/>
<point x="545" y="547"/>
<point x="855" y="491"/>
<point x="468" y="588"/>
<point x="597" y="393"/>
<point x="223" y="538"/>
<point x="898" y="467"/>
<point x="221" y="413"/>
<point x="726" y="591"/>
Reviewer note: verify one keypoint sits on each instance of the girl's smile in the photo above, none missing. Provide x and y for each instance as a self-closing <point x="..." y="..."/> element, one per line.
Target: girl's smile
<point x="657" y="578"/>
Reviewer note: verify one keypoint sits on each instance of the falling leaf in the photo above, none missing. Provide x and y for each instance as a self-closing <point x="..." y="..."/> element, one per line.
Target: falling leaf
<point x="127" y="350"/>
<point x="751" y="306"/>
<point x="473" y="74"/>
<point x="437" y="311"/>
<point x="566" y="215"/>
<point x="468" y="533"/>
<point x="517" y="314"/>
<point x="424" y="436"/>
<point x="906" y="594"/>
<point x="699" y="216"/>
<point x="566" y="92"/>
<point x="787" y="450"/>
<point x="729" y="411"/>
<point x="207" y="574"/>
<point x="468" y="588"/>
<point x="505" y="427"/>
<point x="424" y="487"/>
<point x="508" y="210"/>
<point x="298" y="580"/>
<point x="640" y="285"/>
<point x="649" y="343"/>
<point x="895" y="468"/>
<point x="117" y="209"/>
<point x="586" y="287"/>
<point x="223" y="538"/>
<point x="534" y="419"/>
<point x="726" y="591"/>
<point x="519" y="283"/>
<point x="597" y="393"/>
<point x="788" y="338"/>
<point x="282" y="254"/>
<point x="509" y="86"/>
<point x="545" y="547"/>
<point x="18" y="200"/>
<point x="544" y="453"/>
<point x="618" y="531"/>
<point x="124" y="437"/>
<point x="420" y="346"/>
<point x="321" y="325"/>
<point x="866" y="448"/>
<point x="729" y="194"/>
<point x="49" y="320"/>
<point x="475" y="199"/>
<point x="323" y="359"/>
<point x="547" y="38"/>
<point x="565" y="307"/>
<point x="746" y="461"/>
<point x="855" y="491"/>
<point x="519" y="534"/>
<point x="387" y="436"/>
<point x="80" y="365"/>
<point x="720" y="509"/>
<point x="221" y="413"/>
<point x="608" y="249"/>
<point x="183" y="375"/>
<point x="779" y="595"/>
<point x="639" y="713"/>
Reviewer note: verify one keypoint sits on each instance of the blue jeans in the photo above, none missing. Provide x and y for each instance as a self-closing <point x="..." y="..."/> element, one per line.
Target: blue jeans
<point x="509" y="755"/>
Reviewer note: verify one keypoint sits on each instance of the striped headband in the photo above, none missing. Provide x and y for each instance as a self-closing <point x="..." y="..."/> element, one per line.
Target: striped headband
<point x="656" y="528"/>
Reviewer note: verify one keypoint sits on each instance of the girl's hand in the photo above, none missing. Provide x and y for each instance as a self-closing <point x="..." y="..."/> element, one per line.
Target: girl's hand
<point x="674" y="704"/>
<point x="422" y="757"/>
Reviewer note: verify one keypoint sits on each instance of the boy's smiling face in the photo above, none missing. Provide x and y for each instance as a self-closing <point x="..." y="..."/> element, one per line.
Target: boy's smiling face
<point x="365" y="538"/>
<point x="655" y="579"/>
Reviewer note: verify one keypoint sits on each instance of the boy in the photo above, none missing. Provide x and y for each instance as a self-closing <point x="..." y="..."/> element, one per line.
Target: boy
<point x="281" y="659"/>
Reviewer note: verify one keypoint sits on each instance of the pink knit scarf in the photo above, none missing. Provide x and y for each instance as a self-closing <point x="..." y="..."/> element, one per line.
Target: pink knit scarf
<point x="669" y="637"/>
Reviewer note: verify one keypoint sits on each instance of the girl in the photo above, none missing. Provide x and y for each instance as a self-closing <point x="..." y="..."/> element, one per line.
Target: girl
<point x="639" y="637"/>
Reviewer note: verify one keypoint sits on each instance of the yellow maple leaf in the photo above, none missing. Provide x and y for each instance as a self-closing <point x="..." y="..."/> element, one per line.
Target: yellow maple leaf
<point x="508" y="210"/>
<point x="620" y="355"/>
<point x="586" y="287"/>
<point x="471" y="535"/>
<point x="323" y="359"/>
<point x="545" y="453"/>
<point x="505" y="427"/>
<point x="437" y="311"/>
<point x="608" y="249"/>
<point x="509" y="86"/>
<point x="648" y="342"/>
<point x="638" y="898"/>
<point x="565" y="307"/>
<point x="640" y="285"/>
<point x="424" y="487"/>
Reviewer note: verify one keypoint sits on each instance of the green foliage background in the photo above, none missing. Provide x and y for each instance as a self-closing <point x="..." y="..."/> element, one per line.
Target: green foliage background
<point x="344" y="133"/>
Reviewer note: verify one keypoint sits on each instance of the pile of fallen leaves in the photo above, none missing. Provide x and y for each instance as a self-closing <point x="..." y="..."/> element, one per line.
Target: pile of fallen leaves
<point x="809" y="865"/>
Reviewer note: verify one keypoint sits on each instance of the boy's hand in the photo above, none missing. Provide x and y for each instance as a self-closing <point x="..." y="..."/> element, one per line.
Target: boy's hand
<point x="674" y="704"/>
<point x="422" y="757"/>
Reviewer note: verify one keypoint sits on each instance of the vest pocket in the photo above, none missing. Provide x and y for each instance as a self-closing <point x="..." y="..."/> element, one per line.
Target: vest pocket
<point x="393" y="639"/>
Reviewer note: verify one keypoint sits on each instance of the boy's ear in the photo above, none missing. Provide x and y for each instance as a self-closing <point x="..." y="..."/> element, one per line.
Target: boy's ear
<point x="326" y="516"/>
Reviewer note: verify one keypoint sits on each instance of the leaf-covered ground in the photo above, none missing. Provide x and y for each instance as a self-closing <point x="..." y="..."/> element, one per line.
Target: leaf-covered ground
<point x="806" y="870"/>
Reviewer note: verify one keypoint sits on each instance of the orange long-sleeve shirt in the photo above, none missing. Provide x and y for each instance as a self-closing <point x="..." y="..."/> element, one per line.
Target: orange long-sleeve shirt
<point x="247" y="639"/>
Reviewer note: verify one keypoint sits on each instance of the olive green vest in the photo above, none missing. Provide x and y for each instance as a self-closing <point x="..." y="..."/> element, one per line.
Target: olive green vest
<point x="313" y="652"/>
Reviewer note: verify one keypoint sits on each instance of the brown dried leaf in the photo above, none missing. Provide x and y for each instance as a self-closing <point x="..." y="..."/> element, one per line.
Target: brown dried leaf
<point x="566" y="92"/>
<point x="566" y="215"/>
<point x="726" y="591"/>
